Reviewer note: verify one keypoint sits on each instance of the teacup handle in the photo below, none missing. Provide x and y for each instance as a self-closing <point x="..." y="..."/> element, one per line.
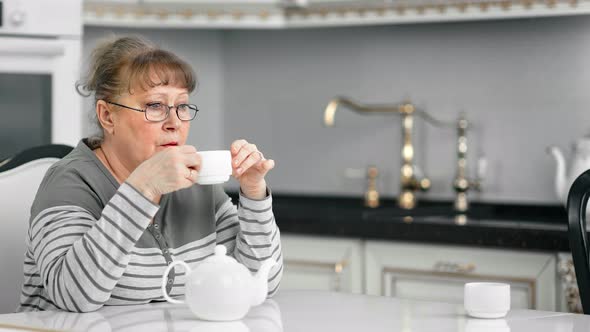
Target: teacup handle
<point x="187" y="270"/>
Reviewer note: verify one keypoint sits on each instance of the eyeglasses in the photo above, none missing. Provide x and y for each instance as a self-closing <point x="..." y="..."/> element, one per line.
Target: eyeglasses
<point x="157" y="112"/>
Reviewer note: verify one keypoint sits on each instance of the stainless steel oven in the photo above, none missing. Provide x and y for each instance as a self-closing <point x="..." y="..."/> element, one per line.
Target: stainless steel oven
<point x="40" y="48"/>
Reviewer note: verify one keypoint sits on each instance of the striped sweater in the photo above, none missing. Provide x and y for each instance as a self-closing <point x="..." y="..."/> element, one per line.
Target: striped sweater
<point x="94" y="242"/>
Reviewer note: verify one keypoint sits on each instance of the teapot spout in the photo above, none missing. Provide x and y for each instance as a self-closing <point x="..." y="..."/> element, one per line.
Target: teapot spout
<point x="260" y="282"/>
<point x="560" y="186"/>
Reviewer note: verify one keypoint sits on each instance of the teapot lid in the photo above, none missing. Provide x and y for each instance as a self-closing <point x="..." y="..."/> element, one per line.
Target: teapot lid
<point x="220" y="255"/>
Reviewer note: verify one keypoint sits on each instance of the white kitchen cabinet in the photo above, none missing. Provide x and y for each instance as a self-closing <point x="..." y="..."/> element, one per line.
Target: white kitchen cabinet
<point x="322" y="263"/>
<point x="437" y="272"/>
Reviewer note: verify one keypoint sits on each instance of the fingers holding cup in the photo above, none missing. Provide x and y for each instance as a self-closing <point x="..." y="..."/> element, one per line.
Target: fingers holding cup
<point x="244" y="155"/>
<point x="246" y="158"/>
<point x="253" y="158"/>
<point x="236" y="147"/>
<point x="266" y="165"/>
<point x="193" y="175"/>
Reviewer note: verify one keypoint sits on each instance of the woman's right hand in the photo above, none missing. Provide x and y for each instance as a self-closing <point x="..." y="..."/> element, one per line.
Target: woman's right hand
<point x="166" y="171"/>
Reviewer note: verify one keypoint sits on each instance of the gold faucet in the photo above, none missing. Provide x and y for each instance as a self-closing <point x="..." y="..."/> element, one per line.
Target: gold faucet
<point x="410" y="182"/>
<point x="461" y="183"/>
<point x="372" y="195"/>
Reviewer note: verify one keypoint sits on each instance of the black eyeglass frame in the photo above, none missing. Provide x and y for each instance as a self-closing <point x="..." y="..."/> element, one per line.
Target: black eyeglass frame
<point x="168" y="108"/>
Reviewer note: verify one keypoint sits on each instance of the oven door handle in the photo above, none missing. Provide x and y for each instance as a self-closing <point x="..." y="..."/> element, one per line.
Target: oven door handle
<point x="31" y="47"/>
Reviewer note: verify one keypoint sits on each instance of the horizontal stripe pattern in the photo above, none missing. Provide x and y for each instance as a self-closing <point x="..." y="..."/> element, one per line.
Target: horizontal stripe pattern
<point x="77" y="263"/>
<point x="252" y="236"/>
<point x="74" y="262"/>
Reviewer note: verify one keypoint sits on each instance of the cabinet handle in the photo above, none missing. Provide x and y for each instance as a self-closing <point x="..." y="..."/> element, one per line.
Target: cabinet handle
<point x="337" y="267"/>
<point x="451" y="267"/>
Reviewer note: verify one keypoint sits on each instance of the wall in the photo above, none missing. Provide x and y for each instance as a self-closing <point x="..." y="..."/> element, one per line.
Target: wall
<point x="522" y="83"/>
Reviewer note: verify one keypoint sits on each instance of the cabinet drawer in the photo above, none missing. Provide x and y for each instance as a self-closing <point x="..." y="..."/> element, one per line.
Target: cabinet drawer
<point x="448" y="287"/>
<point x="431" y="272"/>
<point x="321" y="263"/>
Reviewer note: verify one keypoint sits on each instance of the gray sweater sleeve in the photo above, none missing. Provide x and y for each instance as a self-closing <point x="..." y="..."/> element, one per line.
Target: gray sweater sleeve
<point x="80" y="259"/>
<point x="250" y="234"/>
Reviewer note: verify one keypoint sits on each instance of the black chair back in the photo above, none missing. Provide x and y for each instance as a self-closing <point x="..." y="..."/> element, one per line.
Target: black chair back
<point x="577" y="201"/>
<point x="37" y="152"/>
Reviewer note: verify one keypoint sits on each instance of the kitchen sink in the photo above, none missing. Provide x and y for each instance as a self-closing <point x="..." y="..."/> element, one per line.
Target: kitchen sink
<point x="430" y="213"/>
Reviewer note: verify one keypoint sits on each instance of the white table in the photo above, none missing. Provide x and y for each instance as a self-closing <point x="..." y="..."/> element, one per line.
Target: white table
<point x="306" y="311"/>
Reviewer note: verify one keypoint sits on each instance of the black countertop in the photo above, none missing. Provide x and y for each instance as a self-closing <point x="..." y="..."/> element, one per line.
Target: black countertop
<point x="516" y="226"/>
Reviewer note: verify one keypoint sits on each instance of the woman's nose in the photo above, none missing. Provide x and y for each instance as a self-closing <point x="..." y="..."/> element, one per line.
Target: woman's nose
<point x="172" y="121"/>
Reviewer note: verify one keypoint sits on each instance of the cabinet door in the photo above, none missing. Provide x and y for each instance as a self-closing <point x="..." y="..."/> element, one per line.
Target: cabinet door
<point x="321" y="263"/>
<point x="438" y="273"/>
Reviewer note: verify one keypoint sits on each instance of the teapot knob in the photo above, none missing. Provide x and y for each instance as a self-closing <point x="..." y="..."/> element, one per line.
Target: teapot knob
<point x="220" y="250"/>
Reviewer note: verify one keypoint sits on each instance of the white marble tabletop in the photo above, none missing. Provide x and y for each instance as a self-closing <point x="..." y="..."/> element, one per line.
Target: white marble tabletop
<point x="307" y="311"/>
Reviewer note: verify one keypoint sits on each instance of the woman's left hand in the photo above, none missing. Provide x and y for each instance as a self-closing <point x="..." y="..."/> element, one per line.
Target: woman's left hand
<point x="250" y="168"/>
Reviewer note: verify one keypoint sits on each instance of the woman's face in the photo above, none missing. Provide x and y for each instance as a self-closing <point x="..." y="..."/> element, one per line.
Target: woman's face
<point x="136" y="138"/>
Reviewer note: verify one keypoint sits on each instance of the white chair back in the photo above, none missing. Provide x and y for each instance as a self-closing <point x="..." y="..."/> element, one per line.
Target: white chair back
<point x="18" y="187"/>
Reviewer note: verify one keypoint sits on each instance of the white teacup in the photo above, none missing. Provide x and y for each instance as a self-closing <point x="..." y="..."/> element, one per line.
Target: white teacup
<point x="487" y="299"/>
<point x="215" y="166"/>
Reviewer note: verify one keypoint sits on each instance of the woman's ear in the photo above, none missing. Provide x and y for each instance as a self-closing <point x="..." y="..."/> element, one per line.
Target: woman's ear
<point x="105" y="116"/>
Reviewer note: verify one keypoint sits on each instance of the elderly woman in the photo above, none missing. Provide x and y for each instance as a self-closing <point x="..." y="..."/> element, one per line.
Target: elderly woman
<point x="109" y="217"/>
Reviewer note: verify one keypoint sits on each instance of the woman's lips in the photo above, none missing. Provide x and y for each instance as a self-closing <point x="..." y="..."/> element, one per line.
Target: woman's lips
<point x="170" y="144"/>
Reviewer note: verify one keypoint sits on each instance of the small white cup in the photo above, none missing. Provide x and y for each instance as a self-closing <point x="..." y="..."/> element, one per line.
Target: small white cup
<point x="215" y="167"/>
<point x="487" y="299"/>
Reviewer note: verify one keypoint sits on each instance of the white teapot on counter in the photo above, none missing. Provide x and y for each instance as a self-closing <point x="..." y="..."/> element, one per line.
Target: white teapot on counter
<point x="220" y="288"/>
<point x="580" y="162"/>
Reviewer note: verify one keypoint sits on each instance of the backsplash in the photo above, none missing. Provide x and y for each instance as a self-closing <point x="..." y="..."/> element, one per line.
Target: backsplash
<point x="524" y="85"/>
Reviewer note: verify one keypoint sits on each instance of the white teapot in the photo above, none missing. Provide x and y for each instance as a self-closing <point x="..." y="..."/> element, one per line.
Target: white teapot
<point x="580" y="162"/>
<point x="220" y="288"/>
